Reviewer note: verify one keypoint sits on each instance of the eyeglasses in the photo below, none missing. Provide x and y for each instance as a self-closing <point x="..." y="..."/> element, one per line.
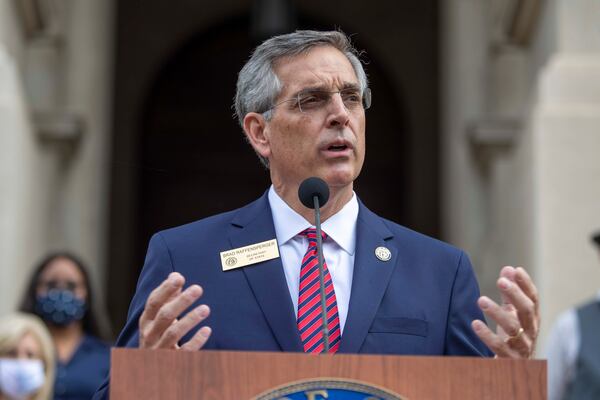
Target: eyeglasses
<point x="311" y="100"/>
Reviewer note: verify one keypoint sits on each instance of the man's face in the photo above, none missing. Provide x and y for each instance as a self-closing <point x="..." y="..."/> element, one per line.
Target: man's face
<point x="327" y="142"/>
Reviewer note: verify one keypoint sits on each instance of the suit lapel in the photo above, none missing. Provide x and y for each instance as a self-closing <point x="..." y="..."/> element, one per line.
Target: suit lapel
<point x="254" y="224"/>
<point x="370" y="278"/>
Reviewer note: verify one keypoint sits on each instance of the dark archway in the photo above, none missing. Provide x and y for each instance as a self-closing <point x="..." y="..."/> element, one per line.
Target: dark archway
<point x="195" y="158"/>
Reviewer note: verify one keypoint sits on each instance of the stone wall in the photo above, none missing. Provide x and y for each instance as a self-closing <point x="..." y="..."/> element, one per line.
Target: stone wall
<point x="55" y="89"/>
<point x="522" y="140"/>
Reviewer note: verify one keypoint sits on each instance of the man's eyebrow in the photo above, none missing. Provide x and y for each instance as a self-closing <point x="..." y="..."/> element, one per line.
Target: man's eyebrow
<point x="349" y="85"/>
<point x="313" y="89"/>
<point x="324" y="88"/>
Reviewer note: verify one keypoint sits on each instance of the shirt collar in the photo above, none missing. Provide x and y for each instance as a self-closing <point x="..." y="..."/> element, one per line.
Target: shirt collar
<point x="341" y="227"/>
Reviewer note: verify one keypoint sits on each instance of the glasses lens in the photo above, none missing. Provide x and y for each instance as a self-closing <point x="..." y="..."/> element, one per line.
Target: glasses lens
<point x="309" y="100"/>
<point x="366" y="99"/>
<point x="351" y="98"/>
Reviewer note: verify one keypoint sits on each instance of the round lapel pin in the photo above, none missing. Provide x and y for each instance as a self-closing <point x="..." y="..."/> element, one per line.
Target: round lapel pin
<point x="383" y="253"/>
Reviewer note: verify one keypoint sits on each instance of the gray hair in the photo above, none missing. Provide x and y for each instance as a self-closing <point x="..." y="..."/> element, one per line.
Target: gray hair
<point x="258" y="86"/>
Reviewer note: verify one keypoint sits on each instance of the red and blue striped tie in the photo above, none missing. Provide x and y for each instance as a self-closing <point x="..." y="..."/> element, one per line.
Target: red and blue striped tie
<point x="310" y="323"/>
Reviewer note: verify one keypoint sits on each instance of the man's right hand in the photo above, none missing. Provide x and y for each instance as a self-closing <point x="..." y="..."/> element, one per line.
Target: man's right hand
<point x="160" y="327"/>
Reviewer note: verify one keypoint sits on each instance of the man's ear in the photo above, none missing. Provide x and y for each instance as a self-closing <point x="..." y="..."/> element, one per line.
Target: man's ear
<point x="256" y="130"/>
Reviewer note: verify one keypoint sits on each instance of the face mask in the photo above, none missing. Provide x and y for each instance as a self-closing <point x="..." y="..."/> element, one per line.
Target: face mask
<point x="60" y="307"/>
<point x="20" y="378"/>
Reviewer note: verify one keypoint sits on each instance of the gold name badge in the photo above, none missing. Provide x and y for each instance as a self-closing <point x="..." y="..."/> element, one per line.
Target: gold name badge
<point x="249" y="255"/>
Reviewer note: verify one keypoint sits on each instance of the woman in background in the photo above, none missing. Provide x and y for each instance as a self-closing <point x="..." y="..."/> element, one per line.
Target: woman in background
<point x="26" y="358"/>
<point x="60" y="293"/>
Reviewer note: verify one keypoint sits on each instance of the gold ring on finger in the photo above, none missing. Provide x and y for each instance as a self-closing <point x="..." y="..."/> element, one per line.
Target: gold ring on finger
<point x="515" y="336"/>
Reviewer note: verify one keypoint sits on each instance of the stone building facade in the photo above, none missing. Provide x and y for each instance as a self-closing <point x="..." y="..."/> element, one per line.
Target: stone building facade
<point x="499" y="133"/>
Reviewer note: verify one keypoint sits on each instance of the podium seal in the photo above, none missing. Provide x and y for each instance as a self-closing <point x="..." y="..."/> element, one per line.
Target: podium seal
<point x="330" y="389"/>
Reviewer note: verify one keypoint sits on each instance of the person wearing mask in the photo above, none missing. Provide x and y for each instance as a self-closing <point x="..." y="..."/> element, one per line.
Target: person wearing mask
<point x="573" y="350"/>
<point x="26" y="358"/>
<point x="59" y="291"/>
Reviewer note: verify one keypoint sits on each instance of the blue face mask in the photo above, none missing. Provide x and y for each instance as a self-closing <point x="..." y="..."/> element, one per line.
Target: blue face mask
<point x="60" y="307"/>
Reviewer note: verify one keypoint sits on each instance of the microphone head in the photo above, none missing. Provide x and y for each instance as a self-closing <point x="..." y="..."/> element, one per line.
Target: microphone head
<point x="311" y="187"/>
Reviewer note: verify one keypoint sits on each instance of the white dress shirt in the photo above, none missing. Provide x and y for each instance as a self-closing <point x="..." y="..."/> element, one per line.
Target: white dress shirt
<point x="338" y="249"/>
<point x="562" y="350"/>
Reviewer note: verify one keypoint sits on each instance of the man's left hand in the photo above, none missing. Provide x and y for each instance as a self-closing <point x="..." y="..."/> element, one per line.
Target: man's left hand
<point x="517" y="319"/>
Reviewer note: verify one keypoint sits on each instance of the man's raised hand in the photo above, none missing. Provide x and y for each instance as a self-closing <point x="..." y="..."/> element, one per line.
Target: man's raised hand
<point x="517" y="318"/>
<point x="159" y="325"/>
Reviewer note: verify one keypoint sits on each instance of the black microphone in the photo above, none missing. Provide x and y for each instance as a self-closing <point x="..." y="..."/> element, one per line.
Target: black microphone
<point x="311" y="187"/>
<point x="314" y="193"/>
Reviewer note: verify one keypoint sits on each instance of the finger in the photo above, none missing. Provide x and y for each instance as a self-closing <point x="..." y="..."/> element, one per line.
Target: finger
<point x="524" y="306"/>
<point x="173" y="334"/>
<point x="526" y="284"/>
<point x="159" y="296"/>
<point x="505" y="317"/>
<point x="521" y="343"/>
<point x="168" y="313"/>
<point x="507" y="272"/>
<point x="491" y="340"/>
<point x="198" y="340"/>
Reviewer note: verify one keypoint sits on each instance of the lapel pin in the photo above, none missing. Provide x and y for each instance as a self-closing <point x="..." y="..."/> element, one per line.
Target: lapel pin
<point x="383" y="253"/>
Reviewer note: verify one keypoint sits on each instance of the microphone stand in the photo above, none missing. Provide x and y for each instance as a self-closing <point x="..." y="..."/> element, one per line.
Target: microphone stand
<point x="325" y="328"/>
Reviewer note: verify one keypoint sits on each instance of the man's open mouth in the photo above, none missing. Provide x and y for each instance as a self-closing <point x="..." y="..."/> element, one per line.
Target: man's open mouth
<point x="338" y="147"/>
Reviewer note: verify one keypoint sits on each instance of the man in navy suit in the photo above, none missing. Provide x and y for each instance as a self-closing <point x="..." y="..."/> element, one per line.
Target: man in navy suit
<point x="301" y="102"/>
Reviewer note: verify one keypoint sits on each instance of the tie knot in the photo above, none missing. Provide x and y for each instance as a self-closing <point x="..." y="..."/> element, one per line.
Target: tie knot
<point x="311" y="234"/>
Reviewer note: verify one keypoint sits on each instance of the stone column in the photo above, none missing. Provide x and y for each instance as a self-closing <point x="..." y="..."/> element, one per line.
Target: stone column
<point x="464" y="39"/>
<point x="24" y="167"/>
<point x="82" y="214"/>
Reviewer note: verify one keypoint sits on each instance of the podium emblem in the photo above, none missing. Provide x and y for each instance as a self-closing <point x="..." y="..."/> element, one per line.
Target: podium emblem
<point x="330" y="389"/>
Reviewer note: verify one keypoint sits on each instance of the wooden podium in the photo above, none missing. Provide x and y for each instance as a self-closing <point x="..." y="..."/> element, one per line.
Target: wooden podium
<point x="206" y="375"/>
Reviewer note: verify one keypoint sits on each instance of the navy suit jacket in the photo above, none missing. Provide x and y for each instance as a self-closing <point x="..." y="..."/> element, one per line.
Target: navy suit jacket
<point x="420" y="302"/>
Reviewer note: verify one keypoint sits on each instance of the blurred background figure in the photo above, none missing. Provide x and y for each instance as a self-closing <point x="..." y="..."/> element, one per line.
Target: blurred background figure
<point x="573" y="350"/>
<point x="26" y="358"/>
<point x="59" y="291"/>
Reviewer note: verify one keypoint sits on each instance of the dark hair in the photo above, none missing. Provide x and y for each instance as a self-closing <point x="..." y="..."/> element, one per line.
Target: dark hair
<point x="89" y="321"/>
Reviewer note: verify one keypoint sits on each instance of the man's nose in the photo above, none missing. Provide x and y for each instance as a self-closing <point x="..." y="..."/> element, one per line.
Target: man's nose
<point x="337" y="113"/>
